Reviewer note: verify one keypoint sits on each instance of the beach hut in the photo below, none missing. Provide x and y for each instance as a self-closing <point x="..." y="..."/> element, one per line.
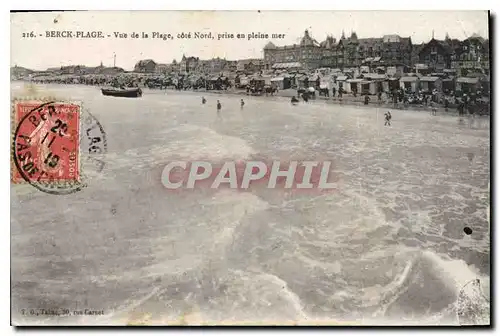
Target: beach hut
<point x="409" y="82"/>
<point x="467" y="84"/>
<point x="260" y="81"/>
<point x="301" y="80"/>
<point x="267" y="79"/>
<point x="367" y="87"/>
<point x="340" y="82"/>
<point x="373" y="83"/>
<point x="431" y="83"/>
<point x="391" y="84"/>
<point x="278" y="82"/>
<point x="353" y="85"/>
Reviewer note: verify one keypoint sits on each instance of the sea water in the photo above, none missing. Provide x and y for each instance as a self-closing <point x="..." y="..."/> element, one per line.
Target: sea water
<point x="387" y="247"/>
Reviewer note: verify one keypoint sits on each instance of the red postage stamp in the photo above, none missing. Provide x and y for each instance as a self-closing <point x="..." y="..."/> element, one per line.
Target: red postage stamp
<point x="46" y="142"/>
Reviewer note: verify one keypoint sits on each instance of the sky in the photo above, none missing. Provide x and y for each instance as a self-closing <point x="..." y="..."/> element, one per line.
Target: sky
<point x="41" y="52"/>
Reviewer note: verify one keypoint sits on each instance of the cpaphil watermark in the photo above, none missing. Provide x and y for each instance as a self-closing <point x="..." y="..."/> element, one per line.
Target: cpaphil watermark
<point x="244" y="175"/>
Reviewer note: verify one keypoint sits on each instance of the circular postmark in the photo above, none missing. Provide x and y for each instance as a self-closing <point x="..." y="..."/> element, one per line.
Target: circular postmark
<point x="56" y="146"/>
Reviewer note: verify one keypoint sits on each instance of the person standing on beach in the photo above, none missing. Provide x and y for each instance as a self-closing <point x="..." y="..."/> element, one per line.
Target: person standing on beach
<point x="433" y="108"/>
<point x="367" y="100"/>
<point x="203" y="100"/>
<point x="242" y="103"/>
<point x="219" y="107"/>
<point x="388" y="118"/>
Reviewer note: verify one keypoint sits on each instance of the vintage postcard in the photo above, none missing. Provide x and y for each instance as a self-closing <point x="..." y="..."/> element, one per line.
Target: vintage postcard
<point x="250" y="168"/>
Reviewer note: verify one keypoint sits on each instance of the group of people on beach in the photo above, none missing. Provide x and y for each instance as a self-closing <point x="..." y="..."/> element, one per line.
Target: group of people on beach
<point x="219" y="105"/>
<point x="387" y="115"/>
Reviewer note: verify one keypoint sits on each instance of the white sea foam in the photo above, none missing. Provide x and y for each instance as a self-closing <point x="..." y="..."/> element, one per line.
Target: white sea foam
<point x="203" y="142"/>
<point x="340" y="247"/>
<point x="457" y="272"/>
<point x="190" y="142"/>
<point x="420" y="276"/>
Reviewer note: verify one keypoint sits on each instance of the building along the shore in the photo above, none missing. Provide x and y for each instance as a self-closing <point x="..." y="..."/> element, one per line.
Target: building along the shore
<point x="471" y="55"/>
<point x="389" y="50"/>
<point x="147" y="66"/>
<point x="308" y="52"/>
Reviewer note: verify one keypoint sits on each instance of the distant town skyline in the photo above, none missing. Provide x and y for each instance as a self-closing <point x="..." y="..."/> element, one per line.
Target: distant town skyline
<point x="40" y="53"/>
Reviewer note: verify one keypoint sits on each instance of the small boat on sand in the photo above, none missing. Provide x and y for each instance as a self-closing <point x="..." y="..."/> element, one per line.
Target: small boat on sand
<point x="122" y="92"/>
